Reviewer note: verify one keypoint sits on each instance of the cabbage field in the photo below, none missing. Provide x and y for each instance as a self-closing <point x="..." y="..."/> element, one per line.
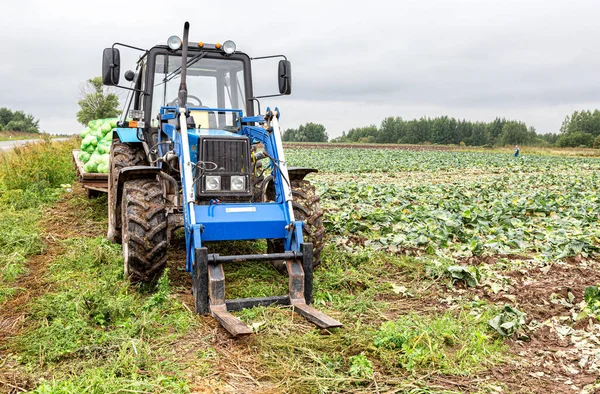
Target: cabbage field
<point x="459" y="204"/>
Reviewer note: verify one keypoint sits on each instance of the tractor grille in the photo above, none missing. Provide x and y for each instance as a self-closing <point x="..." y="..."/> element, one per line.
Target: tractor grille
<point x="230" y="155"/>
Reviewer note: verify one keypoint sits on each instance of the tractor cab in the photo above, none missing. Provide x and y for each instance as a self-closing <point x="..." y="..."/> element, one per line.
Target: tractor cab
<point x="214" y="81"/>
<point x="219" y="86"/>
<point x="219" y="99"/>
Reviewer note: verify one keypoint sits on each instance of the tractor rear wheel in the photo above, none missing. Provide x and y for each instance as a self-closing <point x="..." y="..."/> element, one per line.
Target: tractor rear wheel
<point x="121" y="155"/>
<point x="143" y="215"/>
<point x="307" y="208"/>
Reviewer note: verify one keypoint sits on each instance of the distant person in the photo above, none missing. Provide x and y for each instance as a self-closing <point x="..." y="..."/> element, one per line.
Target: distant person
<point x="517" y="150"/>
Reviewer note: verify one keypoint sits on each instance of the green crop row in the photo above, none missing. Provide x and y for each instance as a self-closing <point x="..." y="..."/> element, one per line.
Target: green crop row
<point x="356" y="160"/>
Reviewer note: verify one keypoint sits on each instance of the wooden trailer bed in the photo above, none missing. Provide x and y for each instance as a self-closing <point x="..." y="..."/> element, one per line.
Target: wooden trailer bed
<point x="95" y="184"/>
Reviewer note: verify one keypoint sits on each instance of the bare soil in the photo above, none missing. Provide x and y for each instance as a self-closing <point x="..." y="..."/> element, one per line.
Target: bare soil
<point x="551" y="361"/>
<point x="556" y="358"/>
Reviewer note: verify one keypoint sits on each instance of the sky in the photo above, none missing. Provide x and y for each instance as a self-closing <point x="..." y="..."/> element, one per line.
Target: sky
<point x="354" y="62"/>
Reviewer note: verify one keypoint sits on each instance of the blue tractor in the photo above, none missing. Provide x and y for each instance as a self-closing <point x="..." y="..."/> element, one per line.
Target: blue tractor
<point x="190" y="152"/>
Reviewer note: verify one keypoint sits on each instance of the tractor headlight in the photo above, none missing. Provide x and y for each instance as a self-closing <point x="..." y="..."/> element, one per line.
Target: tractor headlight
<point x="174" y="43"/>
<point x="238" y="183"/>
<point x="229" y="47"/>
<point x="212" y="182"/>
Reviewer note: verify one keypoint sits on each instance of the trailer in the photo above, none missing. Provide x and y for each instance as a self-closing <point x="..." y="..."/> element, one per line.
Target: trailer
<point x="94" y="183"/>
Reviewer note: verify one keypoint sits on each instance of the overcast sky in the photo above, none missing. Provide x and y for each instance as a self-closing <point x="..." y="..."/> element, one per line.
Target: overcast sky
<point x="354" y="62"/>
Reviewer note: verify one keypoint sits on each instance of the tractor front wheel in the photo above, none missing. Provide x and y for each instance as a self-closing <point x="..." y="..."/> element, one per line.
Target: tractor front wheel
<point x="144" y="228"/>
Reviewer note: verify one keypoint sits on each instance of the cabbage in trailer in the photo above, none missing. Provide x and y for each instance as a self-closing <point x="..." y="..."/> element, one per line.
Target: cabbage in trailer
<point x="95" y="145"/>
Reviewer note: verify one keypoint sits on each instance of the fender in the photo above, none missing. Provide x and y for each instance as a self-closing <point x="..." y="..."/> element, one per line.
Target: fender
<point x="298" y="173"/>
<point x="137" y="172"/>
<point x="129" y="135"/>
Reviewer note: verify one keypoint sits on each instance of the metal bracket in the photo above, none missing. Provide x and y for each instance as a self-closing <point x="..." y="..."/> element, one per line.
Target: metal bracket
<point x="218" y="308"/>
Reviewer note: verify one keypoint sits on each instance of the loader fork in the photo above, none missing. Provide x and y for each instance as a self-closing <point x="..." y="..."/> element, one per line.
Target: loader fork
<point x="209" y="289"/>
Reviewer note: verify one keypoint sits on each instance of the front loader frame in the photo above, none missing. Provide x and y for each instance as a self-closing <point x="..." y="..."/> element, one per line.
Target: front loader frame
<point x="242" y="221"/>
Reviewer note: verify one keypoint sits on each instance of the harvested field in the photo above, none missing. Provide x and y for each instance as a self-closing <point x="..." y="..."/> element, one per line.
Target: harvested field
<point x="424" y="249"/>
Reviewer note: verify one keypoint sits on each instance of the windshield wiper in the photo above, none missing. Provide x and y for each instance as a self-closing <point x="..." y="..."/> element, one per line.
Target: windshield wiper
<point x="189" y="64"/>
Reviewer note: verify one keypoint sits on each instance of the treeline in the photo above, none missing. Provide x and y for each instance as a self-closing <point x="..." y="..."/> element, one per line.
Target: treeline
<point x="445" y="130"/>
<point x="18" y="121"/>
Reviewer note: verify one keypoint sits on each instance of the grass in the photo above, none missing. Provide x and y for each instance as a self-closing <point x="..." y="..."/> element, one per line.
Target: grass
<point x="19" y="135"/>
<point x="33" y="172"/>
<point x="393" y="352"/>
<point x="30" y="179"/>
<point x="19" y="239"/>
<point x="91" y="332"/>
<point x="453" y="344"/>
<point x="355" y="288"/>
<point x="95" y="332"/>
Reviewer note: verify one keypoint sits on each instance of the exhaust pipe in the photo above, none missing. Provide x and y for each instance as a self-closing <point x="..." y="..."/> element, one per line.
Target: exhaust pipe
<point x="186" y="164"/>
<point x="182" y="96"/>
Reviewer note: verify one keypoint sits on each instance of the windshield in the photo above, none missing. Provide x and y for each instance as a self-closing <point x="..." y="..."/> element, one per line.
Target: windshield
<point x="211" y="83"/>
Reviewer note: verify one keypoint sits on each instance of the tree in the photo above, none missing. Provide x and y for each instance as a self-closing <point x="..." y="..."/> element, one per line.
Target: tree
<point x="96" y="102"/>
<point x="417" y="132"/>
<point x="6" y="116"/>
<point x="515" y="133"/>
<point x="583" y="122"/>
<point x="18" y="121"/>
<point x="361" y="133"/>
<point x="311" y="132"/>
<point x="440" y="130"/>
<point x="494" y="129"/>
<point x="292" y="135"/>
<point x="564" y="127"/>
<point x="574" y="140"/>
<point x="390" y="131"/>
<point x="341" y="138"/>
<point x="550" y="138"/>
<point x="315" y="132"/>
<point x="479" y="136"/>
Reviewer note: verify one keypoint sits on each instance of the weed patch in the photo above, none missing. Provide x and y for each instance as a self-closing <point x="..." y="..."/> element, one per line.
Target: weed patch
<point x="19" y="239"/>
<point x="452" y="344"/>
<point x="32" y="174"/>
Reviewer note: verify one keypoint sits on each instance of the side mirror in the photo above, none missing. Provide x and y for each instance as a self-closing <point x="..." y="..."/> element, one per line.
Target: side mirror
<point x="111" y="66"/>
<point x="284" y="76"/>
